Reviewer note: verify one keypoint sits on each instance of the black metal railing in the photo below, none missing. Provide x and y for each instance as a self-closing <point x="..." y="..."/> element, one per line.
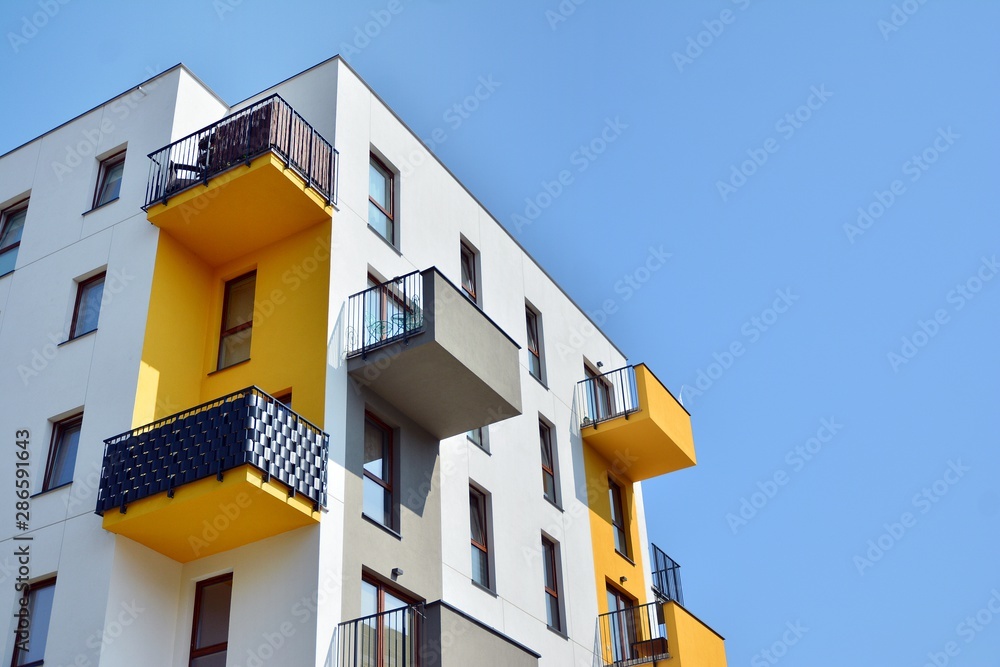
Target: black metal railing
<point x="607" y="396"/>
<point x="388" y="639"/>
<point x="245" y="427"/>
<point x="633" y="636"/>
<point x="385" y="313"/>
<point x="666" y="576"/>
<point x="268" y="125"/>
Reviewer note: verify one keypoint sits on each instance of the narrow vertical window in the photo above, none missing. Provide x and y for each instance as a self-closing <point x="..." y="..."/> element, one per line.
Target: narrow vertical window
<point x="469" y="272"/>
<point x="210" y="633"/>
<point x="548" y="463"/>
<point x="109" y="180"/>
<point x="87" y="310"/>
<point x="598" y="406"/>
<point x="381" y="195"/>
<point x="237" y="320"/>
<point x="480" y="538"/>
<point x="29" y="645"/>
<point x="377" y="502"/>
<point x="534" y="344"/>
<point x="618" y="519"/>
<point x="62" y="452"/>
<point x="553" y="612"/>
<point x="621" y="624"/>
<point x="11" y="227"/>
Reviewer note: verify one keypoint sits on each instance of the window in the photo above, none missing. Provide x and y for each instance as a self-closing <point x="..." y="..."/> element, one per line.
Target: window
<point x="618" y="520"/>
<point x="29" y="650"/>
<point x="210" y="633"/>
<point x="469" y="274"/>
<point x="598" y="395"/>
<point x="285" y="399"/>
<point x="378" y="503"/>
<point x="62" y="452"/>
<point x="11" y="226"/>
<point x="621" y="624"/>
<point x="480" y="438"/>
<point x="237" y="320"/>
<point x="109" y="179"/>
<point x="390" y="626"/>
<point x="553" y="613"/>
<point x="534" y="345"/>
<point x="548" y="463"/>
<point x="87" y="310"/>
<point x="480" y="538"/>
<point x="381" y="196"/>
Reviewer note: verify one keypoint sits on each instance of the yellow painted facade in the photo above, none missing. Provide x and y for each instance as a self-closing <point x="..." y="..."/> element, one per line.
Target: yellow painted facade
<point x="691" y="642"/>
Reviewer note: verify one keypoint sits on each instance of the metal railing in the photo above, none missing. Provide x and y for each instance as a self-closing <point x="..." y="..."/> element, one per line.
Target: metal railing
<point x="245" y="427"/>
<point x="633" y="636"/>
<point x="268" y="125"/>
<point x="385" y="314"/>
<point x="666" y="576"/>
<point x="388" y="639"/>
<point x="607" y="396"/>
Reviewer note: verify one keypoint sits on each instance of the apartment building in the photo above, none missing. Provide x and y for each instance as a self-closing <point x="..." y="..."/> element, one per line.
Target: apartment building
<point x="278" y="390"/>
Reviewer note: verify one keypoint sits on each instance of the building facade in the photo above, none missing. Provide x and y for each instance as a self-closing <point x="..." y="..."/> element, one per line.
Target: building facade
<point x="280" y="391"/>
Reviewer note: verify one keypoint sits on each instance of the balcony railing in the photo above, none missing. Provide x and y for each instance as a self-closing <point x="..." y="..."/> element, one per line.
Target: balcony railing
<point x="666" y="576"/>
<point x="246" y="427"/>
<point x="389" y="639"/>
<point x="385" y="313"/>
<point x="633" y="636"/>
<point x="268" y="125"/>
<point x="607" y="396"/>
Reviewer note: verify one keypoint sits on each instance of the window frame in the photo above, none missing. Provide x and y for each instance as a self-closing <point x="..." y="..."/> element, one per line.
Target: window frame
<point x="625" y="635"/>
<point x="469" y="264"/>
<point x="204" y="651"/>
<point x="26" y="603"/>
<point x="616" y="492"/>
<point x="81" y="288"/>
<point x="225" y="333"/>
<point x="388" y="486"/>
<point x="484" y="548"/>
<point x="390" y="174"/>
<point x="600" y="393"/>
<point x="107" y="164"/>
<point x="484" y="438"/>
<point x="59" y="429"/>
<point x="5" y="216"/>
<point x="550" y="554"/>
<point x="545" y="443"/>
<point x="531" y="320"/>
<point x="381" y="589"/>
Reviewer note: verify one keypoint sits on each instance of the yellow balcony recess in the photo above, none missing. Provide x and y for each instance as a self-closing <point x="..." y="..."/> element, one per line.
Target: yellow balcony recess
<point x="635" y="423"/>
<point x="221" y="475"/>
<point x="253" y="178"/>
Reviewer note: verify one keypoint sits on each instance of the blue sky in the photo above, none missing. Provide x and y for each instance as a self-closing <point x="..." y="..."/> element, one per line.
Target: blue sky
<point x="821" y="176"/>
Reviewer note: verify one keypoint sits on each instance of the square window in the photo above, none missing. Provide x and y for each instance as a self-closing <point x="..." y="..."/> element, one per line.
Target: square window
<point x="378" y="502"/>
<point x="210" y="631"/>
<point x="237" y="320"/>
<point x="11" y="227"/>
<point x="381" y="199"/>
<point x="109" y="180"/>
<point x="62" y="452"/>
<point x="87" y="310"/>
<point x="29" y="650"/>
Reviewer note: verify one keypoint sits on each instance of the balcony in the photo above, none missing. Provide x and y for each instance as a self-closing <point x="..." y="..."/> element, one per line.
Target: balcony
<point x="666" y="576"/>
<point x="633" y="636"/>
<point x="221" y="190"/>
<point x="635" y="423"/>
<point x="391" y="638"/>
<point x="221" y="475"/>
<point x="417" y="342"/>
